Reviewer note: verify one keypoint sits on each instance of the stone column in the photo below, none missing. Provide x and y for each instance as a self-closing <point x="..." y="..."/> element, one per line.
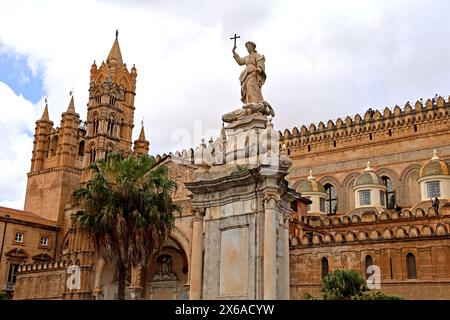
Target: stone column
<point x="270" y="248"/>
<point x="136" y="288"/>
<point x="195" y="292"/>
<point x="284" y="270"/>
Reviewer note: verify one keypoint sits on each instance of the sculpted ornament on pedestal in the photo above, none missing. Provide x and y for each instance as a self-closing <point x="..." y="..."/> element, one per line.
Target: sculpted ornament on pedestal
<point x="252" y="80"/>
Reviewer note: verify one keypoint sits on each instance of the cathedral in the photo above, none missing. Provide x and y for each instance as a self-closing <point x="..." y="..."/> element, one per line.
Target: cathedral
<point x="264" y="214"/>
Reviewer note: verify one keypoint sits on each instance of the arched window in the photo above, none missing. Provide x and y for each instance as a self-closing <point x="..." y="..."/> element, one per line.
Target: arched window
<point x="122" y="127"/>
<point x="108" y="151"/>
<point x="390" y="193"/>
<point x="368" y="263"/>
<point x="110" y="126"/>
<point x="331" y="200"/>
<point x="95" y="125"/>
<point x="81" y="148"/>
<point x="325" y="268"/>
<point x="411" y="266"/>
<point x="92" y="155"/>
<point x="53" y="146"/>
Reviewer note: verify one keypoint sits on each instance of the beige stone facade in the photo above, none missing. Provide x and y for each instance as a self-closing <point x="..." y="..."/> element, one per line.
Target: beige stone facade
<point x="241" y="234"/>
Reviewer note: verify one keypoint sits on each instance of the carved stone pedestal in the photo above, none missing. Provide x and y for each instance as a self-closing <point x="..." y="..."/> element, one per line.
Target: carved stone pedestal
<point x="246" y="205"/>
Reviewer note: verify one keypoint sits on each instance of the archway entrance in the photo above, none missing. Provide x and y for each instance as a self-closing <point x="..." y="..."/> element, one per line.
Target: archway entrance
<point x="167" y="274"/>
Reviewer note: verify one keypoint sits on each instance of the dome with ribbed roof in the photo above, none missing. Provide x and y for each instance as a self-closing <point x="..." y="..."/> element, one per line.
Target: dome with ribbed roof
<point x="311" y="185"/>
<point x="434" y="167"/>
<point x="368" y="177"/>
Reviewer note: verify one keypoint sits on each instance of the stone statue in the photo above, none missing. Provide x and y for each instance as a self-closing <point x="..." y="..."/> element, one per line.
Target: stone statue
<point x="252" y="79"/>
<point x="254" y="74"/>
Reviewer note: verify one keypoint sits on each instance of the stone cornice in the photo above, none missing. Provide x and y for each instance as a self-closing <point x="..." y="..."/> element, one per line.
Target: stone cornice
<point x="76" y="171"/>
<point x="29" y="223"/>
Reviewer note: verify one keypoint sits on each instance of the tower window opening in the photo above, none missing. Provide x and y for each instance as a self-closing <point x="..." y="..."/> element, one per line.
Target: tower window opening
<point x="390" y="193"/>
<point x="92" y="155"/>
<point x="331" y="200"/>
<point x="95" y="124"/>
<point x="110" y="127"/>
<point x="325" y="267"/>
<point x="54" y="146"/>
<point x="81" y="148"/>
<point x="411" y="266"/>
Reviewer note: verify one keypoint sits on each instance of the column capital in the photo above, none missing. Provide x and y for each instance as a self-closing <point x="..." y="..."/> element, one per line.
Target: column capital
<point x="199" y="213"/>
<point x="270" y="199"/>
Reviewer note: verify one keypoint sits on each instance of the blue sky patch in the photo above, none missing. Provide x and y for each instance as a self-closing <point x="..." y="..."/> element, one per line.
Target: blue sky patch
<point x="15" y="72"/>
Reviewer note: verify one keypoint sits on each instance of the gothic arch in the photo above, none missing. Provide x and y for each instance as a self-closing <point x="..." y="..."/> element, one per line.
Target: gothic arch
<point x="93" y="116"/>
<point x="392" y="175"/>
<point x="125" y="82"/>
<point x="54" y="145"/>
<point x="337" y="186"/>
<point x="100" y="75"/>
<point x="348" y="202"/>
<point x="410" y="191"/>
<point x="184" y="242"/>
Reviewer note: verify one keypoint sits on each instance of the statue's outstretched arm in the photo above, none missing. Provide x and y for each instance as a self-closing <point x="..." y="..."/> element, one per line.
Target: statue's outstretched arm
<point x="238" y="59"/>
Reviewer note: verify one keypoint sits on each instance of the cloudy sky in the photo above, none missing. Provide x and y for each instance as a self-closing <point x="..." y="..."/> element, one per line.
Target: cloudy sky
<point x="324" y="60"/>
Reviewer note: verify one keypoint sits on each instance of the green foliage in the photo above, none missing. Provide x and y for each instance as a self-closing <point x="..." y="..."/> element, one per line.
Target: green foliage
<point x="343" y="285"/>
<point x="307" y="296"/>
<point x="3" y="296"/>
<point x="377" y="296"/>
<point x="126" y="208"/>
<point x="348" y="285"/>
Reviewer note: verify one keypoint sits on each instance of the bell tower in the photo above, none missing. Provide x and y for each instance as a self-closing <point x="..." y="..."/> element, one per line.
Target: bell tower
<point x="110" y="115"/>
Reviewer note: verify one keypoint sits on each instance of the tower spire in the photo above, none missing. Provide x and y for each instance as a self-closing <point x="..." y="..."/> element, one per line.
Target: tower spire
<point x="71" y="107"/>
<point x="45" y="113"/>
<point x="142" y="133"/>
<point x="115" y="53"/>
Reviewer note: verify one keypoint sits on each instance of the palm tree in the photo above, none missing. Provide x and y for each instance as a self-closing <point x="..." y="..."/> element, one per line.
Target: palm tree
<point x="127" y="210"/>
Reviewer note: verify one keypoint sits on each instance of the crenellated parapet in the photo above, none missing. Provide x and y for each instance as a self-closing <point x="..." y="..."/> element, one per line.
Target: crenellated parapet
<point x="374" y="125"/>
<point x="370" y="226"/>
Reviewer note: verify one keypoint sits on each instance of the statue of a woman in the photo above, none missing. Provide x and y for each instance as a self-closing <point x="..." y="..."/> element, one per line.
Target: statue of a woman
<point x="254" y="74"/>
<point x="252" y="79"/>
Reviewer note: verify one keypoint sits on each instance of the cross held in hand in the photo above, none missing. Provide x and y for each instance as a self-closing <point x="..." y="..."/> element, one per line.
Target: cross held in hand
<point x="234" y="38"/>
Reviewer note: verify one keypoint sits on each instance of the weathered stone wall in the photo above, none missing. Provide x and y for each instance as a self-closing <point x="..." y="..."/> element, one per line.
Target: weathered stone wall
<point x="346" y="242"/>
<point x="41" y="281"/>
<point x="396" y="143"/>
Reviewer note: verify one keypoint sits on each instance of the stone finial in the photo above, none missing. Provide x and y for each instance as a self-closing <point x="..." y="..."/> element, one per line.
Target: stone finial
<point x="368" y="168"/>
<point x="71" y="107"/>
<point x="310" y="177"/>
<point x="435" y="155"/>
<point x="142" y="133"/>
<point x="45" y="113"/>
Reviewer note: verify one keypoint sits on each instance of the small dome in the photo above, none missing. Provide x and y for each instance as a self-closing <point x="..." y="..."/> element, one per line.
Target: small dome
<point x="434" y="167"/>
<point x="311" y="185"/>
<point x="368" y="177"/>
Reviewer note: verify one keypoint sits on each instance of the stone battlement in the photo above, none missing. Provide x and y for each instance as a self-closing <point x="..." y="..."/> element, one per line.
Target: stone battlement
<point x="371" y="126"/>
<point x="372" y="227"/>
<point x="40" y="266"/>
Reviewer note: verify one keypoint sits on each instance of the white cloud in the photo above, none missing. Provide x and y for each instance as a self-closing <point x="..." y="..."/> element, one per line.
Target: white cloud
<point x="334" y="57"/>
<point x="16" y="122"/>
